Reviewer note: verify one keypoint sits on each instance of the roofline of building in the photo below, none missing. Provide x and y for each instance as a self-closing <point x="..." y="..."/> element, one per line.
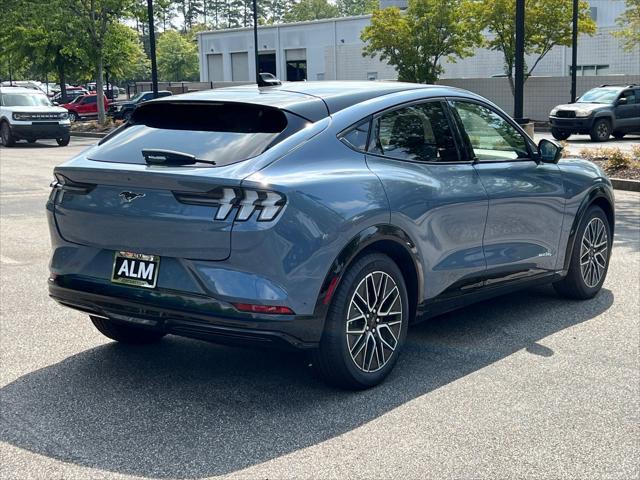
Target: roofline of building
<point x="278" y="25"/>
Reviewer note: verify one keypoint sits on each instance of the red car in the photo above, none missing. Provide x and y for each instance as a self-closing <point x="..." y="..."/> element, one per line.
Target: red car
<point x="84" y="106"/>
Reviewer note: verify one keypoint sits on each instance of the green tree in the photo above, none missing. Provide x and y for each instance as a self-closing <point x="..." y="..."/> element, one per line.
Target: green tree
<point x="547" y="23"/>
<point x="124" y="55"/>
<point x="629" y="22"/>
<point x="349" y="8"/>
<point x="311" y="10"/>
<point x="417" y="41"/>
<point x="177" y="57"/>
<point x="97" y="17"/>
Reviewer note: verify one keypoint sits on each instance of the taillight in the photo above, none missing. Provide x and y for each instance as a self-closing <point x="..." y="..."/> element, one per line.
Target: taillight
<point x="243" y="201"/>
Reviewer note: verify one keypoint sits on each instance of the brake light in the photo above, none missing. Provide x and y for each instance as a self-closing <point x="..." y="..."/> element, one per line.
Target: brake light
<point x="245" y="201"/>
<point x="270" y="309"/>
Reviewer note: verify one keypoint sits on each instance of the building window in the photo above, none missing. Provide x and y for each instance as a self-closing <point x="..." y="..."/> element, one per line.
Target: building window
<point x="590" y="70"/>
<point x="594" y="13"/>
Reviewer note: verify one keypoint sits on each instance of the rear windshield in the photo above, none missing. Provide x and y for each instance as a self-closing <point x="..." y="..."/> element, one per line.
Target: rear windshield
<point x="220" y="133"/>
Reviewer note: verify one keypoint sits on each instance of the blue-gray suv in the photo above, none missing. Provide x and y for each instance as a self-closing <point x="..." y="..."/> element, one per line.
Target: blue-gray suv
<point x="324" y="216"/>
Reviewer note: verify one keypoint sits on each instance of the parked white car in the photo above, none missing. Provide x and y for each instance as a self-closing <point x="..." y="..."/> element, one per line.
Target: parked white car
<point x="27" y="114"/>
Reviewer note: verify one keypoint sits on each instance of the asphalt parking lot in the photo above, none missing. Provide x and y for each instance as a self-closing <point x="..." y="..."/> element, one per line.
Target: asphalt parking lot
<point x="525" y="386"/>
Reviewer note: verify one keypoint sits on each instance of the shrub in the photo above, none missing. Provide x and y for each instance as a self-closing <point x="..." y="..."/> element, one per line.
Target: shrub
<point x="617" y="159"/>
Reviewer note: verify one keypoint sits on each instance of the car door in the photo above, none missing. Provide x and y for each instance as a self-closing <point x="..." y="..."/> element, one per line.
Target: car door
<point x="627" y="111"/>
<point x="526" y="197"/>
<point x="434" y="194"/>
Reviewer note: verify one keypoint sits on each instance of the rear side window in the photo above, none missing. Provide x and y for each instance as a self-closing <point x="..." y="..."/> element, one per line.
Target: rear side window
<point x="214" y="132"/>
<point x="418" y="132"/>
<point x="356" y="137"/>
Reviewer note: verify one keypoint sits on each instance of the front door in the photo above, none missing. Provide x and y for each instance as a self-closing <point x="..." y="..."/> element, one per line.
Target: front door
<point x="526" y="198"/>
<point x="628" y="113"/>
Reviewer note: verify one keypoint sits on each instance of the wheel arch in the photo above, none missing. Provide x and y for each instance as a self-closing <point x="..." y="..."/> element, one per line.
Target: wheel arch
<point x="601" y="197"/>
<point x="386" y="239"/>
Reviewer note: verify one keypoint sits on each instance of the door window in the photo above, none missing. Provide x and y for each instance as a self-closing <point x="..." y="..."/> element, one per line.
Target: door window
<point x="419" y="132"/>
<point x="630" y="95"/>
<point x="89" y="100"/>
<point x="491" y="136"/>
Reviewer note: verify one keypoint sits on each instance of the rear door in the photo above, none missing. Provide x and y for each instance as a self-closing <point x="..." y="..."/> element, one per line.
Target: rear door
<point x="434" y="194"/>
<point x="526" y="198"/>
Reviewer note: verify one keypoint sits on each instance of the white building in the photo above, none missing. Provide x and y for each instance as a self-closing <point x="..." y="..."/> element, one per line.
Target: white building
<point x="332" y="50"/>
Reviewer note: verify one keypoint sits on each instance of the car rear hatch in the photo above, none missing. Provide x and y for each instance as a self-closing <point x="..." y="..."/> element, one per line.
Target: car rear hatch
<point x="157" y="186"/>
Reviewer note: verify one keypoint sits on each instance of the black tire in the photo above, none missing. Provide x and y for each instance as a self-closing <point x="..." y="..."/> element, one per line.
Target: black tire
<point x="32" y="140"/>
<point x="127" y="115"/>
<point x="124" y="333"/>
<point x="8" y="140"/>
<point x="333" y="360"/>
<point x="574" y="284"/>
<point x="64" y="141"/>
<point x="73" y="117"/>
<point x="560" y="134"/>
<point x="618" y="135"/>
<point x="601" y="130"/>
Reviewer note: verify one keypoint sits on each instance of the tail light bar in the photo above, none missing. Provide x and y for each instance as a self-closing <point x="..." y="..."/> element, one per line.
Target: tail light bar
<point x="245" y="201"/>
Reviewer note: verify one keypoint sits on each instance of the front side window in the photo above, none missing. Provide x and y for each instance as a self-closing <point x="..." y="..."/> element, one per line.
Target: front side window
<point x="491" y="136"/>
<point x="418" y="132"/>
<point x="631" y="97"/>
<point x="89" y="100"/>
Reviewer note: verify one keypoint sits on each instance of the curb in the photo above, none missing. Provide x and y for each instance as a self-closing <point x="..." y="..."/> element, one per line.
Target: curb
<point x="88" y="134"/>
<point x="624" y="184"/>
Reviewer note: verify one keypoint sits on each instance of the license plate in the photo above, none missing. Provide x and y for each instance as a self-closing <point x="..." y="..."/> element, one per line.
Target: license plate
<point x="135" y="269"/>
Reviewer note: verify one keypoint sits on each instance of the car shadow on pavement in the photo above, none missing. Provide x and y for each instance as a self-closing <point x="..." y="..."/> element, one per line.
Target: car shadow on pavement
<point x="189" y="409"/>
<point x="33" y="145"/>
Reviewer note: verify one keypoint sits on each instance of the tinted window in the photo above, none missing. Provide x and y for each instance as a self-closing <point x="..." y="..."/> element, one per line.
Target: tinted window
<point x="89" y="100"/>
<point x="223" y="133"/>
<point x="419" y="132"/>
<point x="357" y="136"/>
<point x="491" y="136"/>
<point x="630" y="95"/>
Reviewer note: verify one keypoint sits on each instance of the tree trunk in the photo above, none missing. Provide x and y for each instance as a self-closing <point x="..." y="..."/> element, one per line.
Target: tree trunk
<point x="62" y="81"/>
<point x="99" y="90"/>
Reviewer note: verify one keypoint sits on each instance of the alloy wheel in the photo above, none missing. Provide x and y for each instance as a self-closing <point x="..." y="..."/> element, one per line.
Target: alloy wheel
<point x="374" y="321"/>
<point x="593" y="252"/>
<point x="603" y="130"/>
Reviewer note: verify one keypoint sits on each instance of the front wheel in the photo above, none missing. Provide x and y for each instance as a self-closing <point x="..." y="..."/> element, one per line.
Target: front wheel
<point x="366" y="325"/>
<point x="559" y="134"/>
<point x="63" y="141"/>
<point x="74" y="117"/>
<point x="7" y="137"/>
<point x="590" y="257"/>
<point x="601" y="130"/>
<point x="124" y="333"/>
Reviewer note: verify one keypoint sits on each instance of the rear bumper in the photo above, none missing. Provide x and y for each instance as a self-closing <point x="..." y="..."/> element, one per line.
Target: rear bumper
<point x="35" y="130"/>
<point x="571" y="124"/>
<point x="187" y="315"/>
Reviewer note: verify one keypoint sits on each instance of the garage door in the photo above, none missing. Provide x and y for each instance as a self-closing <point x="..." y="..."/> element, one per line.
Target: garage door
<point x="239" y="67"/>
<point x="214" y="65"/>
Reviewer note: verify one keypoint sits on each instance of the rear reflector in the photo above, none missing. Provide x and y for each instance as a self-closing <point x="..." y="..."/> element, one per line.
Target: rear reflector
<point x="271" y="309"/>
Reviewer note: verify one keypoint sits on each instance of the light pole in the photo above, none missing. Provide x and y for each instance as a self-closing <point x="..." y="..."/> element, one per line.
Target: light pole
<point x="574" y="51"/>
<point x="255" y="42"/>
<point x="519" y="63"/>
<point x="152" y="49"/>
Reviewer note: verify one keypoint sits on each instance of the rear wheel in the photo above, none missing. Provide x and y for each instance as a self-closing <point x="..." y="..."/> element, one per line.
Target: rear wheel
<point x="125" y="333"/>
<point x="618" y="135"/>
<point x="601" y="130"/>
<point x="366" y="325"/>
<point x="63" y="141"/>
<point x="589" y="258"/>
<point x="560" y="134"/>
<point x="7" y="137"/>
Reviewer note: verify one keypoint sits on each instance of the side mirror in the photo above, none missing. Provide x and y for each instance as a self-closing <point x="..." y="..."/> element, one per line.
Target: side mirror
<point x="550" y="151"/>
<point x="622" y="101"/>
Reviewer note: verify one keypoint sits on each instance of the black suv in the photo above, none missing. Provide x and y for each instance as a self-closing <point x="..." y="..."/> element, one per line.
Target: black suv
<point x="123" y="110"/>
<point x="600" y="112"/>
